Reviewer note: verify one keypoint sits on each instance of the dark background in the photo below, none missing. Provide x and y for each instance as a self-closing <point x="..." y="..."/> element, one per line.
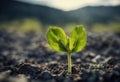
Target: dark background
<point x="14" y="14"/>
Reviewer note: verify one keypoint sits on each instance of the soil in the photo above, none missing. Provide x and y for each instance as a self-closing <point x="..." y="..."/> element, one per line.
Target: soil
<point x="27" y="58"/>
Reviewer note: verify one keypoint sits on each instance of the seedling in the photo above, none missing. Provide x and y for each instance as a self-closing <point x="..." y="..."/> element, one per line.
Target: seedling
<point x="60" y="42"/>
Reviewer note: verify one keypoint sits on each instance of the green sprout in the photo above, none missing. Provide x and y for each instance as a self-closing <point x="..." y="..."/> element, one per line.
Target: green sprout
<point x="60" y="42"/>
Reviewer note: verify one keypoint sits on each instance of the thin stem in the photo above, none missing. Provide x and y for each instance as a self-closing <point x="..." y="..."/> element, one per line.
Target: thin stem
<point x="69" y="63"/>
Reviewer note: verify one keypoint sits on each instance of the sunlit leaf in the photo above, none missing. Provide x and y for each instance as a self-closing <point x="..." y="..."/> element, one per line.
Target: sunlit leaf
<point x="77" y="39"/>
<point x="57" y="39"/>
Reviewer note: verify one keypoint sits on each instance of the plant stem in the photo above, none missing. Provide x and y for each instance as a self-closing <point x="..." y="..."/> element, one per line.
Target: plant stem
<point x="69" y="63"/>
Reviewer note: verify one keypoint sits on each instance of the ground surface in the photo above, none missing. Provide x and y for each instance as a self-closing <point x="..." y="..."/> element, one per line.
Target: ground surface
<point x="26" y="58"/>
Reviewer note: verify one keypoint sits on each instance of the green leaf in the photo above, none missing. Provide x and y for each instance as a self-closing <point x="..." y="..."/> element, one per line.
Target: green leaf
<point x="57" y="39"/>
<point x="77" y="39"/>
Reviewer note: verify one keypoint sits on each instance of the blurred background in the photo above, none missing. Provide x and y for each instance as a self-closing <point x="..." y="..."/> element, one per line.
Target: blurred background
<point x="38" y="15"/>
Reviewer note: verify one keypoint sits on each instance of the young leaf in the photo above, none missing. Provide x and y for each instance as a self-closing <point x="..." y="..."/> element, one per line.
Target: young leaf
<point x="77" y="39"/>
<point x="57" y="39"/>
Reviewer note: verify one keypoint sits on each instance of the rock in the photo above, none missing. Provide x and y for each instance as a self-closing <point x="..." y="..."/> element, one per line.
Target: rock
<point x="19" y="78"/>
<point x="97" y="59"/>
<point x="46" y="76"/>
<point x="107" y="60"/>
<point x="68" y="80"/>
<point x="59" y="78"/>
